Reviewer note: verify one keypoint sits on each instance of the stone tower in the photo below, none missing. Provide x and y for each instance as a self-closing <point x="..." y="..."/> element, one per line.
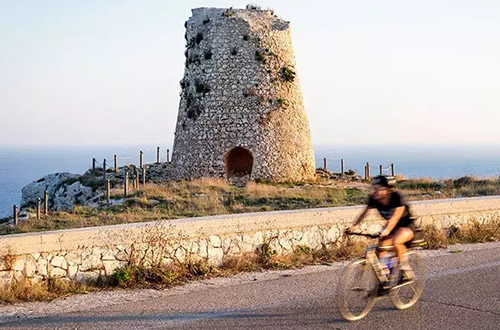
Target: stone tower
<point x="241" y="112"/>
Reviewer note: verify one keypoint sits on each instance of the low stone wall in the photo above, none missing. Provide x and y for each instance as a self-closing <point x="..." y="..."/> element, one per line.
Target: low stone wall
<point x="86" y="253"/>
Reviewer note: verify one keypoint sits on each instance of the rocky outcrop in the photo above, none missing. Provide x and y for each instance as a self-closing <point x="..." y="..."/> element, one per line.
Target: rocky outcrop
<point x="64" y="191"/>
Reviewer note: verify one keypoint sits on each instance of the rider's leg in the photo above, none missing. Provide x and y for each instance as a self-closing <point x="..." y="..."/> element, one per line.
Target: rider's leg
<point x="385" y="242"/>
<point x="400" y="237"/>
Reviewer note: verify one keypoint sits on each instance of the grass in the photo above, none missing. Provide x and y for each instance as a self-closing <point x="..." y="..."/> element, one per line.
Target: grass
<point x="201" y="197"/>
<point x="417" y="189"/>
<point x="209" y="196"/>
<point x="47" y="290"/>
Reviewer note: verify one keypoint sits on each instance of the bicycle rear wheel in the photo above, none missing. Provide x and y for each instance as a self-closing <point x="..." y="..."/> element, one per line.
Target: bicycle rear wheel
<point x="407" y="295"/>
<point x="356" y="290"/>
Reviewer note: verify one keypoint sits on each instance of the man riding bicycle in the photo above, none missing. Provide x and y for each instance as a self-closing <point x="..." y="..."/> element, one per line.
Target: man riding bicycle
<point x="400" y="227"/>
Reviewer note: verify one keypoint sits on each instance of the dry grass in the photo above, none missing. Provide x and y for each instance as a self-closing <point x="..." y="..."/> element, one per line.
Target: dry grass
<point x="201" y="197"/>
<point x="472" y="232"/>
<point x="475" y="232"/>
<point x="435" y="238"/>
<point x="208" y="196"/>
<point x="426" y="188"/>
<point x="49" y="289"/>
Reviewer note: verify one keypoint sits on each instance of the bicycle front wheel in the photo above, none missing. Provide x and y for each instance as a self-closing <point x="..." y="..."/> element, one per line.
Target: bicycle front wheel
<point x="356" y="290"/>
<point x="408" y="294"/>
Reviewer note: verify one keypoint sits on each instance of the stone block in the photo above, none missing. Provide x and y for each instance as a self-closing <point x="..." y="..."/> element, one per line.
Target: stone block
<point x="59" y="262"/>
<point x="92" y="262"/>
<point x="215" y="241"/>
<point x="58" y="272"/>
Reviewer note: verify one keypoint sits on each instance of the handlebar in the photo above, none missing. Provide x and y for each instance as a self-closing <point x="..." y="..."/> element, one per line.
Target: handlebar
<point x="377" y="235"/>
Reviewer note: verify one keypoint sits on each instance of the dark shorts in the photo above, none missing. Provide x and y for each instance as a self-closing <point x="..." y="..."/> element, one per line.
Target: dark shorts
<point x="405" y="223"/>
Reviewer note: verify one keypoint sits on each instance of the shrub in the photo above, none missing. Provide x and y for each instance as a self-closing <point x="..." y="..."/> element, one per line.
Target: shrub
<point x="253" y="6"/>
<point x="199" y="37"/>
<point x="287" y="74"/>
<point x="201" y="87"/>
<point x="121" y="276"/>
<point x="208" y="54"/>
<point x="234" y="51"/>
<point x="259" y="56"/>
<point x="191" y="42"/>
<point x="229" y="12"/>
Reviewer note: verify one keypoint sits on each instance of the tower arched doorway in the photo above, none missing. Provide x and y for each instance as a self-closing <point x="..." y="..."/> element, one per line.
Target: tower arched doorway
<point x="239" y="163"/>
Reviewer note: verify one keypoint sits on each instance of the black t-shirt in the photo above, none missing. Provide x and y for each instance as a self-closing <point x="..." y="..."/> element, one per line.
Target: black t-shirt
<point x="386" y="211"/>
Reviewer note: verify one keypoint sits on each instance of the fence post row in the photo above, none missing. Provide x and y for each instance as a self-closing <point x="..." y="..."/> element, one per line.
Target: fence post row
<point x="16" y="216"/>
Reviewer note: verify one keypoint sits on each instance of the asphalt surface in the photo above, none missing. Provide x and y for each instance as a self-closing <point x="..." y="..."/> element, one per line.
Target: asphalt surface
<point x="462" y="292"/>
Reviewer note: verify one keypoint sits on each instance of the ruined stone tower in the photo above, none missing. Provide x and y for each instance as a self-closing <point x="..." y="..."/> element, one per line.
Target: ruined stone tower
<point x="241" y="112"/>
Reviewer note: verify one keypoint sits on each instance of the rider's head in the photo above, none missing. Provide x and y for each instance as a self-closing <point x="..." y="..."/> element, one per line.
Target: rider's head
<point x="383" y="186"/>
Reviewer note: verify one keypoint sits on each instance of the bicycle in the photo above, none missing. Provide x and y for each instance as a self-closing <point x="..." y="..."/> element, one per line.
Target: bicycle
<point x="364" y="278"/>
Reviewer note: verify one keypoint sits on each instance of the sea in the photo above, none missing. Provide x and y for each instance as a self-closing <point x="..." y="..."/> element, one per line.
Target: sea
<point x="21" y="165"/>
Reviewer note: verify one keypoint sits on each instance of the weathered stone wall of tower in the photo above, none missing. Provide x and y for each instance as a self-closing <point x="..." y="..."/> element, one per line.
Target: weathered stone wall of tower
<point x="240" y="89"/>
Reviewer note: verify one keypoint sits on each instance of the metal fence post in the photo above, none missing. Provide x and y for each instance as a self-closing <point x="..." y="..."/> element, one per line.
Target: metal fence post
<point x="381" y="170"/>
<point x="367" y="170"/>
<point x="116" y="163"/>
<point x="93" y="164"/>
<point x="141" y="158"/>
<point x="143" y="176"/>
<point x="392" y="169"/>
<point x="325" y="168"/>
<point x="157" y="155"/>
<point x="342" y="166"/>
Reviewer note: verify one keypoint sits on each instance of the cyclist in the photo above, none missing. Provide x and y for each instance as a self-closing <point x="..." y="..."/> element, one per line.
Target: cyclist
<point x="400" y="227"/>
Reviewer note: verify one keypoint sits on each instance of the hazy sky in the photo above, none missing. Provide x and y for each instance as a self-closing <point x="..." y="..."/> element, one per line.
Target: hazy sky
<point x="372" y="72"/>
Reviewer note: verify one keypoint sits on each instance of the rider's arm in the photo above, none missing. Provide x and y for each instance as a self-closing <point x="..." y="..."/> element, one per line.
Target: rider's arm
<point x="393" y="221"/>
<point x="362" y="215"/>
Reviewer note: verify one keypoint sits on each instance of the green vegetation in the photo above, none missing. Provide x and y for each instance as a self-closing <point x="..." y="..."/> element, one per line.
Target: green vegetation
<point x="229" y="12"/>
<point x="287" y="74"/>
<point x="418" y="189"/>
<point x="259" y="56"/>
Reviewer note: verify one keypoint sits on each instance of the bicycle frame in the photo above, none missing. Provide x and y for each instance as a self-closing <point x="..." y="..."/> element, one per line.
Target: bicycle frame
<point x="372" y="258"/>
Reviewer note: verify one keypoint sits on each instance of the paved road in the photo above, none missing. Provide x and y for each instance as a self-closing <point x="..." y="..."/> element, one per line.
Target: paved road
<point x="462" y="292"/>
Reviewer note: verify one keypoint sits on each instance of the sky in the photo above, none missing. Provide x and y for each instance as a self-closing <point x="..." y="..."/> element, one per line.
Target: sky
<point x="102" y="72"/>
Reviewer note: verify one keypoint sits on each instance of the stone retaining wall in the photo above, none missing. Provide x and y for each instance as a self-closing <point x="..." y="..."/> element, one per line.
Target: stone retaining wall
<point x="86" y="253"/>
